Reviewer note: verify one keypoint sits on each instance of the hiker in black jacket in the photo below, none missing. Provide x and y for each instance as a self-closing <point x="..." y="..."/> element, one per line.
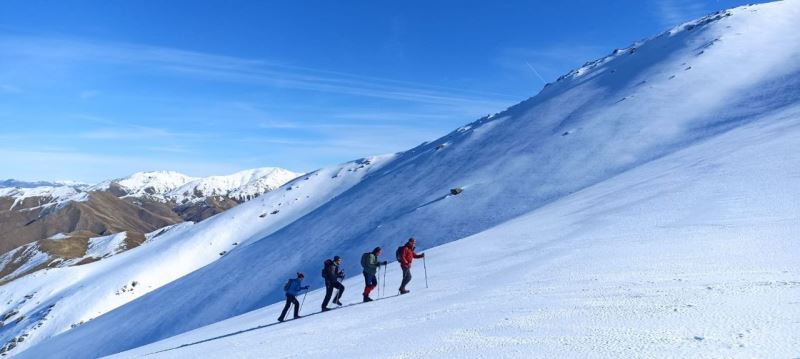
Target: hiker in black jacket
<point x="332" y="274"/>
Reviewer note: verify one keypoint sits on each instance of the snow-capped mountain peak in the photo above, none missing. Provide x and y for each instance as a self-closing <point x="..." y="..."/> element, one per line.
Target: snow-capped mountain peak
<point x="153" y="183"/>
<point x="241" y="186"/>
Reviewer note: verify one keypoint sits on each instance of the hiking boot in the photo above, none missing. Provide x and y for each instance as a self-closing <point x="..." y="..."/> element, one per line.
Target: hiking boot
<point x="338" y="303"/>
<point x="404" y="291"/>
<point x="280" y="320"/>
<point x="326" y="309"/>
<point x="367" y="299"/>
<point x="298" y="317"/>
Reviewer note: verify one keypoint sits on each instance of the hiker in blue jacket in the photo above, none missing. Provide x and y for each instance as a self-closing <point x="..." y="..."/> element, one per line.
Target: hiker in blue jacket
<point x="292" y="289"/>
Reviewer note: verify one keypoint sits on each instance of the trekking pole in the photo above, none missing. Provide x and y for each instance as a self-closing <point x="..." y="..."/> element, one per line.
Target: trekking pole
<point x="426" y="272"/>
<point x="303" y="302"/>
<point x="383" y="291"/>
<point x="380" y="295"/>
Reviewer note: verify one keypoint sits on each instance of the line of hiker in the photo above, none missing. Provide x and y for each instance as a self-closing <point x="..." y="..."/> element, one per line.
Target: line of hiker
<point x="333" y="276"/>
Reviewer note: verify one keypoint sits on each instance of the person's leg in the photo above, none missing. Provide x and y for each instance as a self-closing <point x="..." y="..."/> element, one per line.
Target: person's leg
<point x="296" y="307"/>
<point x="340" y="288"/>
<point x="328" y="292"/>
<point x="285" y="307"/>
<point x="366" y="283"/>
<point x="406" y="279"/>
<point x="371" y="283"/>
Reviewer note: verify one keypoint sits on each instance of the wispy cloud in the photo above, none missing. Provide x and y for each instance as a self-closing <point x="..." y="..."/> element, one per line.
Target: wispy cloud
<point x="213" y="67"/>
<point x="674" y="12"/>
<point x="132" y="133"/>
<point x="88" y="94"/>
<point x="9" y="89"/>
<point x="61" y="163"/>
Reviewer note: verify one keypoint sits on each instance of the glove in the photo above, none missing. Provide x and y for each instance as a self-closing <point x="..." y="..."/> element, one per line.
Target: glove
<point x="304" y="288"/>
<point x="384" y="263"/>
<point x="423" y="255"/>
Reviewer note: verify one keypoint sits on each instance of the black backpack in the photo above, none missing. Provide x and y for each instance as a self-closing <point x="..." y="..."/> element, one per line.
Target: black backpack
<point x="364" y="260"/>
<point x="325" y="267"/>
<point x="286" y="286"/>
<point x="398" y="254"/>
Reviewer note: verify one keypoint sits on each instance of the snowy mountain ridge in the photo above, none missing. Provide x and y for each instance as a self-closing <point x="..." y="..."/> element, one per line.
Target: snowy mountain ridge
<point x="49" y="195"/>
<point x="242" y="185"/>
<point x="141" y="184"/>
<point x="160" y="185"/>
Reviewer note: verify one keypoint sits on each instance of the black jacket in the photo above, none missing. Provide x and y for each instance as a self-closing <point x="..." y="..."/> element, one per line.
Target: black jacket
<point x="331" y="271"/>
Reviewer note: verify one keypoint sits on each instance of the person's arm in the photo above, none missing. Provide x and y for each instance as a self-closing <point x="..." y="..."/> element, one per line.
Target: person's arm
<point x="419" y="255"/>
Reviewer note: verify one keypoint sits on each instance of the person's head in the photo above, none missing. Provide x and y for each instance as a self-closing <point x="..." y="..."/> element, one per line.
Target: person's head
<point x="412" y="241"/>
<point x="377" y="251"/>
<point x="300" y="275"/>
<point x="337" y="260"/>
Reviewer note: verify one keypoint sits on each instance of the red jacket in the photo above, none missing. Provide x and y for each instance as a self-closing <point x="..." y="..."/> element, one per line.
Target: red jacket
<point x="408" y="256"/>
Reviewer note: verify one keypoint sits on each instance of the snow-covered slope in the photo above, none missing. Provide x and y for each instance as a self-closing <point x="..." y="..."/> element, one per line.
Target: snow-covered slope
<point x="693" y="84"/>
<point x="43" y="304"/>
<point x="687" y="256"/>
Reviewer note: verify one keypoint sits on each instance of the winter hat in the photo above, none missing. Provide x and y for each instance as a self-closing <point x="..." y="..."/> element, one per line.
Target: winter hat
<point x="336" y="258"/>
<point x="376" y="250"/>
<point x="300" y="275"/>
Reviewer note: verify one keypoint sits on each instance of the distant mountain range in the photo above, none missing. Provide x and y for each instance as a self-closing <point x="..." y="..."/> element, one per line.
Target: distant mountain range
<point x="45" y="224"/>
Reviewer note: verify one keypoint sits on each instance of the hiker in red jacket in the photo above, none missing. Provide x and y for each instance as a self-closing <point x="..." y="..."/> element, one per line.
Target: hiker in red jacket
<point x="406" y="257"/>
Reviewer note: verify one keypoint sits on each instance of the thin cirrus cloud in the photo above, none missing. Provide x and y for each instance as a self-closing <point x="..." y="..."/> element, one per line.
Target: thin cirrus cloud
<point x="237" y="70"/>
<point x="116" y="131"/>
<point x="674" y="12"/>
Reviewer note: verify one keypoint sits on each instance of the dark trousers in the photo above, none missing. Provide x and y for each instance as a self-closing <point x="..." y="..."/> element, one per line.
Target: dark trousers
<point x="406" y="277"/>
<point x="370" y="282"/>
<point x="290" y="299"/>
<point x="329" y="290"/>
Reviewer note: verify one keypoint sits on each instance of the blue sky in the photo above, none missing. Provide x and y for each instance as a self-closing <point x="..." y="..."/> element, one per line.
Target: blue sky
<point x="91" y="90"/>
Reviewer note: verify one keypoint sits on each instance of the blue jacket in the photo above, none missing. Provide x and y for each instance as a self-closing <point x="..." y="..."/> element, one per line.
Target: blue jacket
<point x="293" y="287"/>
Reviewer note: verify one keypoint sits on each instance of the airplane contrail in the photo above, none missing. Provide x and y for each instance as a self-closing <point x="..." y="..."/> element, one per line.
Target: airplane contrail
<point x="536" y="72"/>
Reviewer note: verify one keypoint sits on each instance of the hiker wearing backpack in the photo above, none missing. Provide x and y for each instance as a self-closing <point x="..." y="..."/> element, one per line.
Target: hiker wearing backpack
<point x="332" y="274"/>
<point x="370" y="263"/>
<point x="405" y="255"/>
<point x="292" y="289"/>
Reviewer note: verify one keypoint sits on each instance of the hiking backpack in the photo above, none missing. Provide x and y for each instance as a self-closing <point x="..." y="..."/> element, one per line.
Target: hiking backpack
<point x="398" y="254"/>
<point x="324" y="266"/>
<point x="364" y="260"/>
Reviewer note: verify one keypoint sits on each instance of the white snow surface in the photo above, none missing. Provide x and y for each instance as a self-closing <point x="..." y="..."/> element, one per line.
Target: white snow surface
<point x="161" y="185"/>
<point x="243" y="185"/>
<point x="629" y="196"/>
<point x="147" y="183"/>
<point x="57" y="299"/>
<point x="48" y="195"/>
<point x="687" y="256"/>
<point x="106" y="246"/>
